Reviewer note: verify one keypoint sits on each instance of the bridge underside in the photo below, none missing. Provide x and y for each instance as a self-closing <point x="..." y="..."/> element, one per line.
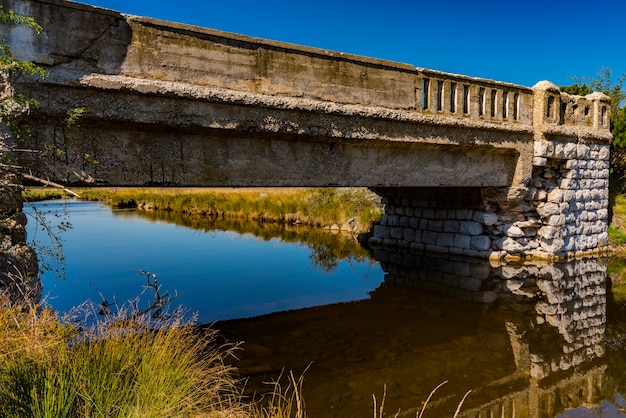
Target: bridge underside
<point x="132" y="139"/>
<point x="153" y="155"/>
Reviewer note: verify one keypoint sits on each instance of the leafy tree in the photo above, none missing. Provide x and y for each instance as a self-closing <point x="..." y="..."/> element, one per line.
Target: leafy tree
<point x="577" y="89"/>
<point x="11" y="68"/>
<point x="618" y="128"/>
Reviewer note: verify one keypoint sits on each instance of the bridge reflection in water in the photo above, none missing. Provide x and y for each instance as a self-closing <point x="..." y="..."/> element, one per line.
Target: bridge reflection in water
<point x="555" y="318"/>
<point x="528" y="340"/>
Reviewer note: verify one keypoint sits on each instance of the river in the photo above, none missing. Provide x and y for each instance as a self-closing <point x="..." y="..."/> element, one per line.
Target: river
<point x="217" y="273"/>
<point x="541" y="340"/>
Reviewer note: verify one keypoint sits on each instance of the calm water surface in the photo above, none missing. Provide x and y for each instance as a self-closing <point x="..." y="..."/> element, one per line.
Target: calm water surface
<point x="544" y="340"/>
<point x="219" y="274"/>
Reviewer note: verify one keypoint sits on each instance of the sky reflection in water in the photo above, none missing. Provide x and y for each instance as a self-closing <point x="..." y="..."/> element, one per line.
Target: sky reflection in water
<point x="220" y="274"/>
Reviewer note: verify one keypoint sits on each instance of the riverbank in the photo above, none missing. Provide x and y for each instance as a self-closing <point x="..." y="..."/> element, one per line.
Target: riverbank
<point x="127" y="363"/>
<point x="346" y="209"/>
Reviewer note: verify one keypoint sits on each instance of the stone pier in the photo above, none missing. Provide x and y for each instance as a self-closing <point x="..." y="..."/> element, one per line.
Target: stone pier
<point x="561" y="210"/>
<point x="19" y="272"/>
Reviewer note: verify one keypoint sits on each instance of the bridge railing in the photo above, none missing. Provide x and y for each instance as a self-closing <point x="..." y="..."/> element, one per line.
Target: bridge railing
<point x="452" y="95"/>
<point x="440" y="93"/>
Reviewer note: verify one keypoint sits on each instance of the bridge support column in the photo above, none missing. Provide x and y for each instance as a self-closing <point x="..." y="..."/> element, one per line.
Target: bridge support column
<point x="563" y="212"/>
<point x="19" y="270"/>
<point x="570" y="192"/>
<point x="559" y="210"/>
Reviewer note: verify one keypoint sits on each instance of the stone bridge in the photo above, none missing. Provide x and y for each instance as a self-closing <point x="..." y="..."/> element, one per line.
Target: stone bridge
<point x="464" y="165"/>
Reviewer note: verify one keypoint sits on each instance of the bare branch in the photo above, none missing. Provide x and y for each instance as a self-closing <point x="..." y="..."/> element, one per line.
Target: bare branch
<point x="49" y="183"/>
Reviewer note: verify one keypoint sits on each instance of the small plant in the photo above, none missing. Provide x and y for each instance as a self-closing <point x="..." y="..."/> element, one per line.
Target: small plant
<point x="284" y="401"/>
<point x="379" y="411"/>
<point x="616" y="235"/>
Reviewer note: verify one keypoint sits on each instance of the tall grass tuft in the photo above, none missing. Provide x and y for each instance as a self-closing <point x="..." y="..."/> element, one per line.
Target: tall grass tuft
<point x="285" y="400"/>
<point x="122" y="365"/>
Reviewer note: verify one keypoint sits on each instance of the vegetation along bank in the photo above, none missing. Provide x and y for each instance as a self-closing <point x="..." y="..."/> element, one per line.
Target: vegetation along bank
<point x="347" y="209"/>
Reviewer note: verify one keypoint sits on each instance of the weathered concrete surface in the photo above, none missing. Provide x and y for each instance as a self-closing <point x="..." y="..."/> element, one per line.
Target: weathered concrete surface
<point x="191" y="106"/>
<point x="177" y="105"/>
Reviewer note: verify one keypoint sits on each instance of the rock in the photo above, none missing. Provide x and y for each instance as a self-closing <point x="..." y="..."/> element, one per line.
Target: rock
<point x="489" y="296"/>
<point x="480" y="243"/>
<point x="471" y="228"/>
<point x="490" y="219"/>
<point x="346" y="228"/>
<point x="509" y="245"/>
<point x="513" y="231"/>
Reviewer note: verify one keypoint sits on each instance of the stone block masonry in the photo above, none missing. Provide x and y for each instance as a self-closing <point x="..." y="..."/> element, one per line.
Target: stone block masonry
<point x="560" y="211"/>
<point x="571" y="196"/>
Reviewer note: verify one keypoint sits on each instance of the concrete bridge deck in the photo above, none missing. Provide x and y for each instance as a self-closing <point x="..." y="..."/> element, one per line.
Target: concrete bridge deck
<point x="177" y="105"/>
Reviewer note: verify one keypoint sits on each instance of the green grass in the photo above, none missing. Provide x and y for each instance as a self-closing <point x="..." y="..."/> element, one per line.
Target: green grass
<point x="617" y="229"/>
<point x="317" y="207"/>
<point x="311" y="206"/>
<point x="120" y="366"/>
<point x="36" y="194"/>
<point x="616" y="235"/>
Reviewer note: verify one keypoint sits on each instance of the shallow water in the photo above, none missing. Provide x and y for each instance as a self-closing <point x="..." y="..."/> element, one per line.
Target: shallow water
<point x="542" y="340"/>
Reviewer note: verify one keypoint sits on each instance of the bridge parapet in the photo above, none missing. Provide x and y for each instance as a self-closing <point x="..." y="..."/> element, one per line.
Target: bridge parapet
<point x="455" y="95"/>
<point x="555" y="108"/>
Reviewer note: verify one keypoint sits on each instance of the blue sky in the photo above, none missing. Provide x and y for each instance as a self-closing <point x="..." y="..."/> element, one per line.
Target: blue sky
<point x="521" y="42"/>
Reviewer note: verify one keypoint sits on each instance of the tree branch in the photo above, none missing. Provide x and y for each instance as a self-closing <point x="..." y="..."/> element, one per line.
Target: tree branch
<point x="49" y="183"/>
<point x="45" y="182"/>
